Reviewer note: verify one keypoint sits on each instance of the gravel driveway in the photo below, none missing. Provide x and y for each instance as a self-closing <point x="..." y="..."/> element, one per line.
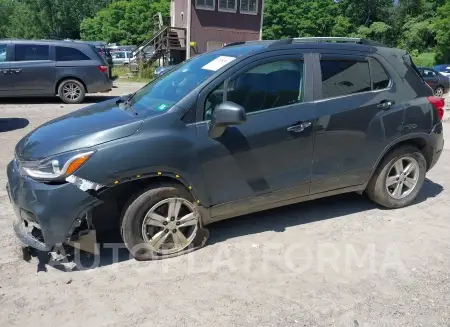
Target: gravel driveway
<point x="339" y="261"/>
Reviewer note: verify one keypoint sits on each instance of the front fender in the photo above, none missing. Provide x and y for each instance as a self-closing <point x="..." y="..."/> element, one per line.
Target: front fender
<point x="170" y="152"/>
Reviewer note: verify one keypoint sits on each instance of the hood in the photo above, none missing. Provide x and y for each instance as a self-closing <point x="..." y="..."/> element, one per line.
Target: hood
<point x="84" y="128"/>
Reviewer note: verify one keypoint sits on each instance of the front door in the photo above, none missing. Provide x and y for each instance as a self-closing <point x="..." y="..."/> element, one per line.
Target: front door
<point x="268" y="158"/>
<point x="357" y="110"/>
<point x="33" y="71"/>
<point x="5" y="76"/>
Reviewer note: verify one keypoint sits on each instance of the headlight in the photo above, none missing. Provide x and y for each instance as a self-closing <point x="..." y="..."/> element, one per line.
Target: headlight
<point x="56" y="167"/>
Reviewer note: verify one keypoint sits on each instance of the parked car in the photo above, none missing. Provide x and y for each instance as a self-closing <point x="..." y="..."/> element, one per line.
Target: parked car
<point x="245" y="128"/>
<point x="438" y="82"/>
<point x="122" y="58"/>
<point x="159" y="71"/>
<point x="443" y="69"/>
<point x="48" y="68"/>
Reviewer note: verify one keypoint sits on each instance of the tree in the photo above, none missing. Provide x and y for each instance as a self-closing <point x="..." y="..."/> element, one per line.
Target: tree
<point x="292" y="18"/>
<point x="46" y="18"/>
<point x="124" y="22"/>
<point x="441" y="27"/>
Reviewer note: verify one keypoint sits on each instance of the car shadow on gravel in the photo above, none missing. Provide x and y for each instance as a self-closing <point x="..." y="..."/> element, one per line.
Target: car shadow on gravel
<point x="12" y="124"/>
<point x="279" y="219"/>
<point x="50" y="100"/>
<point x="112" y="248"/>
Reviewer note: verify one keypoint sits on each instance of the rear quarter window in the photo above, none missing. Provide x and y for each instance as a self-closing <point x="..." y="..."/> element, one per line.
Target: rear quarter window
<point x="380" y="78"/>
<point x="69" y="54"/>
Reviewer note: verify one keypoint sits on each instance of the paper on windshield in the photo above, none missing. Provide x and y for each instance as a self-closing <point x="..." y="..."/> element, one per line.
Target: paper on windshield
<point x="218" y="63"/>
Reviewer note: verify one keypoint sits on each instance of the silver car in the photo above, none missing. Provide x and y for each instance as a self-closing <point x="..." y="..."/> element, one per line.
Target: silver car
<point x="121" y="58"/>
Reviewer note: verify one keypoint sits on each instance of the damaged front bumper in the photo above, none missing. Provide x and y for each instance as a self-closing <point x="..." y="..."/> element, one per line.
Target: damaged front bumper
<point x="46" y="214"/>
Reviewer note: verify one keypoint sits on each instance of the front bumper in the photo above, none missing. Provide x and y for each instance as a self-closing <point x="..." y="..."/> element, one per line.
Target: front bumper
<point x="46" y="214"/>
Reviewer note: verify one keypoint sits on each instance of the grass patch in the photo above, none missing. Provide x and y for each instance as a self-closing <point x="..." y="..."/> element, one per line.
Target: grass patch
<point x="145" y="76"/>
<point x="426" y="59"/>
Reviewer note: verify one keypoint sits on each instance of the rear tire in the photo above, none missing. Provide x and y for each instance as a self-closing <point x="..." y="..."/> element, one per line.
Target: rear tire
<point x="71" y="91"/>
<point x="152" y="230"/>
<point x="392" y="185"/>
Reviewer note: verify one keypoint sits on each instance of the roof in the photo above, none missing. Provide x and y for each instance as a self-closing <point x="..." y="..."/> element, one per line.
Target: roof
<point x="52" y="42"/>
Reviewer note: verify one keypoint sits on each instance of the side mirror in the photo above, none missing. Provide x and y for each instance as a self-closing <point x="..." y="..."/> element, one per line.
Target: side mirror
<point x="226" y="114"/>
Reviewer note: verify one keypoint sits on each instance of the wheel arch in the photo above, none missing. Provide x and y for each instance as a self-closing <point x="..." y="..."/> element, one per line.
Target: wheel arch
<point x="420" y="141"/>
<point x="116" y="198"/>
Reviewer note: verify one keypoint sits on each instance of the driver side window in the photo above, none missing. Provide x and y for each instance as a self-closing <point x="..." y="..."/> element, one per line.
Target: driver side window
<point x="268" y="86"/>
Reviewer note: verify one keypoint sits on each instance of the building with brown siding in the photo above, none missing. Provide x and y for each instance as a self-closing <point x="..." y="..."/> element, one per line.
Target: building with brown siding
<point x="210" y="24"/>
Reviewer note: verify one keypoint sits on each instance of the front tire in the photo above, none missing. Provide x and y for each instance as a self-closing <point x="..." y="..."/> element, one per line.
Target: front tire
<point x="162" y="221"/>
<point x="71" y="91"/>
<point x="399" y="177"/>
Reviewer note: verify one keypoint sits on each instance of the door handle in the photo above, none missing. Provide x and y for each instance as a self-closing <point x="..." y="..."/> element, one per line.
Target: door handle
<point x="385" y="105"/>
<point x="298" y="127"/>
<point x="17" y="71"/>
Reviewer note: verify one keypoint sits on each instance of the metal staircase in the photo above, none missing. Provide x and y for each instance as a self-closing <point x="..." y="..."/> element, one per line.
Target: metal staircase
<point x="166" y="42"/>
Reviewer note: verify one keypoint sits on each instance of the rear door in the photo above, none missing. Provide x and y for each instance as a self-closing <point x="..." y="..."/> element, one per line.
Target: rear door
<point x="358" y="117"/>
<point x="33" y="70"/>
<point x="5" y="73"/>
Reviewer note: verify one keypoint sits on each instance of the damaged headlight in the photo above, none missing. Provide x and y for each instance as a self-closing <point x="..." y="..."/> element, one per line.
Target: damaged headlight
<point x="55" y="168"/>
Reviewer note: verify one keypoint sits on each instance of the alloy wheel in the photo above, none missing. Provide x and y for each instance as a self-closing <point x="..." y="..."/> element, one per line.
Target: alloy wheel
<point x="402" y="177"/>
<point x="170" y="225"/>
<point x="439" y="92"/>
<point x="72" y="91"/>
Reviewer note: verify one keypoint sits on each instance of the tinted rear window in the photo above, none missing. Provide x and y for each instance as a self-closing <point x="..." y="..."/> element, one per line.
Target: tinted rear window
<point x="69" y="54"/>
<point x="29" y="52"/>
<point x="344" y="77"/>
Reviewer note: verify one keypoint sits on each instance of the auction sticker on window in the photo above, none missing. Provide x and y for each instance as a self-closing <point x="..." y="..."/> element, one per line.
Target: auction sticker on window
<point x="218" y="63"/>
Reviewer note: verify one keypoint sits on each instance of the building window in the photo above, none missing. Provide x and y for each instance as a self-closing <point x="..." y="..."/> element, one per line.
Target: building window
<point x="228" y="5"/>
<point x="205" y="4"/>
<point x="249" y="7"/>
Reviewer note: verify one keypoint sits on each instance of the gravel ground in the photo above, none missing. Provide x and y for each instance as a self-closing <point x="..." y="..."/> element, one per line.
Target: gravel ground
<point x="340" y="261"/>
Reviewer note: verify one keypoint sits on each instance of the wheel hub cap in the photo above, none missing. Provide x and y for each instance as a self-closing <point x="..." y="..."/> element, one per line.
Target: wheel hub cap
<point x="170" y="225"/>
<point x="402" y="177"/>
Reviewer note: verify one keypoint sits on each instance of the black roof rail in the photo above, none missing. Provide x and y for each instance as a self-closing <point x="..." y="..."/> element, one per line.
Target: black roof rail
<point x="356" y="40"/>
<point x="330" y="39"/>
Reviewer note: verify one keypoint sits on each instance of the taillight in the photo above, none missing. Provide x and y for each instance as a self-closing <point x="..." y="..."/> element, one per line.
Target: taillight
<point x="103" y="69"/>
<point x="438" y="104"/>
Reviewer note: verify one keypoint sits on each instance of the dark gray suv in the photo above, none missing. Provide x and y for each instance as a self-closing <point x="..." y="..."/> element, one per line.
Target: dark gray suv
<point x="47" y="68"/>
<point x="245" y="128"/>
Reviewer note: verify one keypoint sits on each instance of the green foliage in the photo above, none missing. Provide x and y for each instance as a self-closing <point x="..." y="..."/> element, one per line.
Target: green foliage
<point x="426" y="59"/>
<point x="419" y="26"/>
<point x="49" y="19"/>
<point x="442" y="25"/>
<point x="124" y="22"/>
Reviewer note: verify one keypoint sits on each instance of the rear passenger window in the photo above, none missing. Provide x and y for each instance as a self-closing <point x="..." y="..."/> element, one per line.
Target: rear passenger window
<point x="380" y="78"/>
<point x="344" y="77"/>
<point x="69" y="54"/>
<point x="28" y="52"/>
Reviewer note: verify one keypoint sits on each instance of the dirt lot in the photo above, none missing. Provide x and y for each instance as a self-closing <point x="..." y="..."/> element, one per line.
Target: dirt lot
<point x="339" y="261"/>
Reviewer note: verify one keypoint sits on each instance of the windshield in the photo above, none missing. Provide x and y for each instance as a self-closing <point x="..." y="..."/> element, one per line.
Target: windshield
<point x="164" y="92"/>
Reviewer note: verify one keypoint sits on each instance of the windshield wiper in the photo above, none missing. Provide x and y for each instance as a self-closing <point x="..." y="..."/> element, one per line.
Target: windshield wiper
<point x="126" y="104"/>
